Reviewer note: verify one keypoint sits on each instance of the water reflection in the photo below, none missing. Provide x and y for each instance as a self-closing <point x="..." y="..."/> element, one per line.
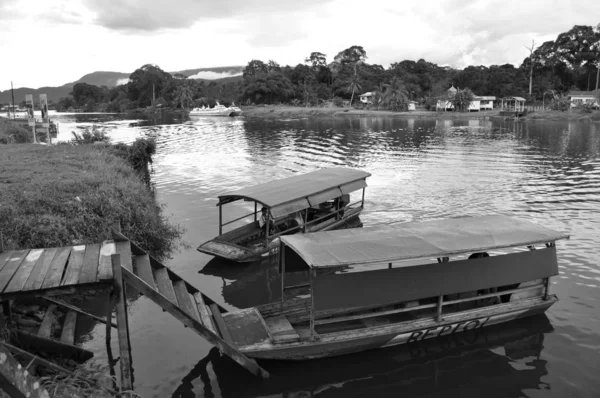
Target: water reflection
<point x="499" y="361"/>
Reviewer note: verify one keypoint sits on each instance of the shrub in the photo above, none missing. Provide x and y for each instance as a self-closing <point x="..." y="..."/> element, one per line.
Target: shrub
<point x="15" y="134"/>
<point x="90" y="136"/>
<point x="337" y="101"/>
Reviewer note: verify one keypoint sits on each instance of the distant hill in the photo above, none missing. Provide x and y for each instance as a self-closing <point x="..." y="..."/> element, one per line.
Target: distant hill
<point x="108" y="79"/>
<point x="112" y="79"/>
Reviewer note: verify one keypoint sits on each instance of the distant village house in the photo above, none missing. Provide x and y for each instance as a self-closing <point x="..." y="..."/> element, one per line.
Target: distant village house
<point x="366" y="98"/>
<point x="479" y="103"/>
<point x="583" y="97"/>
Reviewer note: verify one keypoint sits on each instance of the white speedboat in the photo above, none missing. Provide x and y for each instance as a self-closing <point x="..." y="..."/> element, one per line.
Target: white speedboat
<point x="218" y="110"/>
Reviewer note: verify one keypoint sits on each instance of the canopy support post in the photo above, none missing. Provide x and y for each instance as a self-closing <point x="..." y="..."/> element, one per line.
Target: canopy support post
<point x="282" y="262"/>
<point x="546" y="289"/>
<point x="439" y="308"/>
<point x="255" y="211"/>
<point x="312" y="305"/>
<point x="220" y="218"/>
<point x="362" y="205"/>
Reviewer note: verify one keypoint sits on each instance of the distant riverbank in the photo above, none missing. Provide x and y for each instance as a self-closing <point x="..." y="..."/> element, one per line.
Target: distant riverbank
<point x="285" y="111"/>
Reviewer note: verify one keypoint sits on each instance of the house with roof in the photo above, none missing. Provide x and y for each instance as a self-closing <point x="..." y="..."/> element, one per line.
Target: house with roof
<point x="479" y="102"/>
<point x="583" y="97"/>
<point x="366" y="98"/>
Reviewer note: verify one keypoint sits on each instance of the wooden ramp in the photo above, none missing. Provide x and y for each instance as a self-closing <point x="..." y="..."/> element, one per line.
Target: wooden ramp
<point x="180" y="299"/>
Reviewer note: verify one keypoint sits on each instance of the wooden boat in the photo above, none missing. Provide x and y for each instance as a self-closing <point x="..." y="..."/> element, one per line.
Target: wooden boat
<point x="379" y="287"/>
<point x="315" y="201"/>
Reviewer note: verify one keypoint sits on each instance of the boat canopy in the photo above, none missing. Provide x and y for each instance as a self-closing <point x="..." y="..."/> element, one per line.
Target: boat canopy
<point x="299" y="192"/>
<point x="413" y="240"/>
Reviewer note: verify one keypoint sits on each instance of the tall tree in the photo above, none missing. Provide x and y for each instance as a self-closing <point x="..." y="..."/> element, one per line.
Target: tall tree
<point x="531" y="49"/>
<point x="353" y="86"/>
<point x="316" y="59"/>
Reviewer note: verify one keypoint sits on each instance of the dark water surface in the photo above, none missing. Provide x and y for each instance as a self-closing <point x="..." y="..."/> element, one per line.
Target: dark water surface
<point x="546" y="172"/>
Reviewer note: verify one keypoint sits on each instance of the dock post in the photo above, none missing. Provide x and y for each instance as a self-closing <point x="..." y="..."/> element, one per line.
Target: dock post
<point x="122" y="326"/>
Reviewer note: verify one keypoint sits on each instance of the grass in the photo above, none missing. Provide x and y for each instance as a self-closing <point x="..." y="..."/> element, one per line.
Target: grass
<point x="68" y="195"/>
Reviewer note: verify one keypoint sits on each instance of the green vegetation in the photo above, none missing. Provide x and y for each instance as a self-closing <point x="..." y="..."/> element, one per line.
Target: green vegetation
<point x="66" y="195"/>
<point x="11" y="133"/>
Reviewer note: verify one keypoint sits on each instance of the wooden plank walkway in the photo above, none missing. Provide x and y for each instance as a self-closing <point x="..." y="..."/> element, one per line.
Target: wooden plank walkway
<point x="57" y="270"/>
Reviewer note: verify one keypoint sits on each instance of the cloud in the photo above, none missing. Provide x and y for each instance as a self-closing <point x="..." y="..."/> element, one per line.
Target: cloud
<point x="144" y="15"/>
<point x="209" y="75"/>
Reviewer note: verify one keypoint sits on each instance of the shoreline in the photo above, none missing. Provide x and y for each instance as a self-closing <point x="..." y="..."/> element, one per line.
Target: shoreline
<point x="283" y="111"/>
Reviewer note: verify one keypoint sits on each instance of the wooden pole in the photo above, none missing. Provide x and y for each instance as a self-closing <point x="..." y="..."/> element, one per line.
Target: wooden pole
<point x="220" y="218"/>
<point x="312" y="306"/>
<point x="1" y="242"/>
<point x="439" y="308"/>
<point x="122" y="327"/>
<point x="282" y="262"/>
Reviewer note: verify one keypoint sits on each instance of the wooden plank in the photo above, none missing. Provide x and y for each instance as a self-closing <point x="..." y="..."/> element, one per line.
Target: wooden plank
<point x="55" y="272"/>
<point x="281" y="329"/>
<point x="67" y="335"/>
<point x="224" y="346"/>
<point x="164" y="284"/>
<point x="144" y="270"/>
<point x="16" y="380"/>
<point x="45" y="329"/>
<point x="205" y="316"/>
<point x="89" y="270"/>
<point x="20" y="277"/>
<point x="124" y="249"/>
<point x="4" y="256"/>
<point x="33" y="342"/>
<point x="77" y="310"/>
<point x="74" y="266"/>
<point x="122" y="325"/>
<point x="185" y="300"/>
<point x="36" y="278"/>
<point x="220" y="323"/>
<point x="11" y="267"/>
<point x="104" y="263"/>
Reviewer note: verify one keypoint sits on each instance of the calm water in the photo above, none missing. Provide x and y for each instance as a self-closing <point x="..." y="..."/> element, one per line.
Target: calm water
<point x="546" y="172"/>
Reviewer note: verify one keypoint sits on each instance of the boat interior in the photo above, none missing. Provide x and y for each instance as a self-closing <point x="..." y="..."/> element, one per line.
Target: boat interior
<point x="317" y="218"/>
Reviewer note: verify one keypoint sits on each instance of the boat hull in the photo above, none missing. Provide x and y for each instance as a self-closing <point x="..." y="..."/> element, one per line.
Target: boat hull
<point x="210" y="113"/>
<point x="232" y="252"/>
<point x="405" y="333"/>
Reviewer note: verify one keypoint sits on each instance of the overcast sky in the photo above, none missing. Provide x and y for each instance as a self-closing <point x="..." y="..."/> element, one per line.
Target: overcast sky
<point x="53" y="42"/>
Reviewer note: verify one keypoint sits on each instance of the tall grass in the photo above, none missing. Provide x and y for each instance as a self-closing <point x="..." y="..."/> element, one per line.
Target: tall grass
<point x="66" y="195"/>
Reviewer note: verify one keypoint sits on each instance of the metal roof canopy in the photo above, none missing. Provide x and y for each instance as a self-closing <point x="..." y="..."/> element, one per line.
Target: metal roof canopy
<point x="301" y="191"/>
<point x="416" y="240"/>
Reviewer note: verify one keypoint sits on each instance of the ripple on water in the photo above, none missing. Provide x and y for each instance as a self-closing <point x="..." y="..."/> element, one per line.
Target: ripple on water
<point x="421" y="170"/>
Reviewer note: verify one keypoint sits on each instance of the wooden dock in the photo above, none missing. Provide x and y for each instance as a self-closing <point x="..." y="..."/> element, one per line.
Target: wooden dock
<point x="115" y="265"/>
<point x="54" y="271"/>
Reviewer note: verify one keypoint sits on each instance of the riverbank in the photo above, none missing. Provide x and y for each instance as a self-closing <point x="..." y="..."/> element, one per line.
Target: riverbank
<point x="69" y="195"/>
<point x="570" y="115"/>
<point x="286" y="111"/>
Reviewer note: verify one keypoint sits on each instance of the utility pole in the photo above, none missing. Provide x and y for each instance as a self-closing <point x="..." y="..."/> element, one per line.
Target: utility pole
<point x="12" y="92"/>
<point x="531" y="65"/>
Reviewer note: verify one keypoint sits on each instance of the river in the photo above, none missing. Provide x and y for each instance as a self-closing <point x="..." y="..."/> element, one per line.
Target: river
<point x="422" y="169"/>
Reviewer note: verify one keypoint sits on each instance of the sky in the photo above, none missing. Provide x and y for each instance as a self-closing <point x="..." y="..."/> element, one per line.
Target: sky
<point x="53" y="42"/>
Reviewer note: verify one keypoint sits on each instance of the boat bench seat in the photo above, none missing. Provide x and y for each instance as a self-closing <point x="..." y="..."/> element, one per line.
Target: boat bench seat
<point x="281" y="330"/>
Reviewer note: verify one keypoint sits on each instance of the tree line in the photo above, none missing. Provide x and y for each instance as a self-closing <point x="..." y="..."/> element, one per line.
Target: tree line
<point x="571" y="62"/>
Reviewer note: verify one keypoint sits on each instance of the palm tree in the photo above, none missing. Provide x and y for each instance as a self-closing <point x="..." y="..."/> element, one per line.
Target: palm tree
<point x="184" y="95"/>
<point x="462" y="99"/>
<point x="395" y="95"/>
<point x="354" y="85"/>
<point x="378" y="94"/>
